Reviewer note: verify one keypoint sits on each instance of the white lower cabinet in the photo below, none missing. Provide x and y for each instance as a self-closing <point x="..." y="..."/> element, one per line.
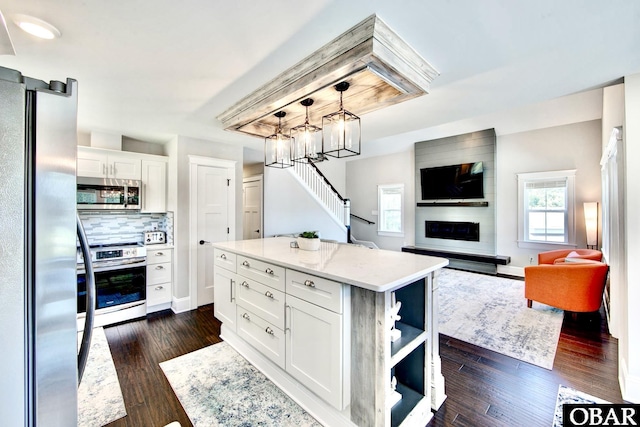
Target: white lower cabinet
<point x="315" y="349"/>
<point x="262" y="335"/>
<point x="294" y="319"/>
<point x="224" y="297"/>
<point x="159" y="278"/>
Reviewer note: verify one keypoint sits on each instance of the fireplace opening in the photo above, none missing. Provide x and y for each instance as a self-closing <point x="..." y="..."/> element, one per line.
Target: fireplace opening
<point x="453" y="230"/>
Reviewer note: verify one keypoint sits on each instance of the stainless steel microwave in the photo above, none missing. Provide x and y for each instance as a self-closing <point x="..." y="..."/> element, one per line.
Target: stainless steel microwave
<point x="107" y="194"/>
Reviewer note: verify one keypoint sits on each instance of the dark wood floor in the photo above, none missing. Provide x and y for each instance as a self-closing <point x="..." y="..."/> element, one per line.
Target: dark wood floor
<point x="484" y="388"/>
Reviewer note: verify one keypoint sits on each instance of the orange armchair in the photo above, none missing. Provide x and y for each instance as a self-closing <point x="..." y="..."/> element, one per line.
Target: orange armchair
<point x="558" y="256"/>
<point x="574" y="287"/>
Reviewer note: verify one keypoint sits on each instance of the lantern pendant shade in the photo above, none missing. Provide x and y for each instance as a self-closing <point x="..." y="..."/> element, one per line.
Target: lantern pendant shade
<point x="278" y="147"/>
<point x="307" y="147"/>
<point x="341" y="130"/>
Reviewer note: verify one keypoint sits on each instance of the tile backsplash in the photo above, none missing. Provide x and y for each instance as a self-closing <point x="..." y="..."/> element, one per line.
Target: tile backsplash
<point x="106" y="228"/>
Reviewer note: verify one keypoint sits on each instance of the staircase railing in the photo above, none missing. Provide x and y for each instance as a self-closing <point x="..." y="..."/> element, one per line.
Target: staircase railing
<point x="320" y="186"/>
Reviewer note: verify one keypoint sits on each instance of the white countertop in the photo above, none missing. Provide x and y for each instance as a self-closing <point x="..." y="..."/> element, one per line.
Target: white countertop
<point x="378" y="270"/>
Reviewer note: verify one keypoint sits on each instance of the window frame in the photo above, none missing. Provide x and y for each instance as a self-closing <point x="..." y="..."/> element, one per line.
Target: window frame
<point x="570" y="232"/>
<point x="381" y="189"/>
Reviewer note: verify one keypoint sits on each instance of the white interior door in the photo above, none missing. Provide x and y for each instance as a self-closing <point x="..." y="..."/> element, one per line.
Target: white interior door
<point x="252" y="208"/>
<point x="212" y="221"/>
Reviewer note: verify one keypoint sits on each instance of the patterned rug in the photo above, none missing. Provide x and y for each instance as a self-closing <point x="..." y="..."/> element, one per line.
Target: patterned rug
<point x="491" y="312"/>
<point x="218" y="387"/>
<point x="99" y="395"/>
<point x="569" y="395"/>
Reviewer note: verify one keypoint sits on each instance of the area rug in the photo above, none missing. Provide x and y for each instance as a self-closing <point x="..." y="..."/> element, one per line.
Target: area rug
<point x="491" y="312"/>
<point x="218" y="387"/>
<point x="99" y="395"/>
<point x="569" y="395"/>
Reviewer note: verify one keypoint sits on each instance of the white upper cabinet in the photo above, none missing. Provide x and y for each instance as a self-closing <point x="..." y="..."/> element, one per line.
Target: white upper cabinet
<point x="154" y="186"/>
<point x="97" y="163"/>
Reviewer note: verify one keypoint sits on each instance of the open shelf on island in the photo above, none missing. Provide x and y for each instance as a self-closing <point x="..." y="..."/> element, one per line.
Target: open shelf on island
<point x="410" y="401"/>
<point x="410" y="339"/>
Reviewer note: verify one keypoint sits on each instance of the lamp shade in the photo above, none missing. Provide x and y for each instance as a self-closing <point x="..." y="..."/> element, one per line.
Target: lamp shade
<point x="277" y="147"/>
<point x="341" y="132"/>
<point x="591" y="222"/>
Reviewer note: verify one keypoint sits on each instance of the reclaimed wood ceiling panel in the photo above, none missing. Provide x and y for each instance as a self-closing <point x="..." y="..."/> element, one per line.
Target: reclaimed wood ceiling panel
<point x="380" y="67"/>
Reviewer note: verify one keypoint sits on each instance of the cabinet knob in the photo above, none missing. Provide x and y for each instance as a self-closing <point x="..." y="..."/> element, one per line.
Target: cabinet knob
<point x="309" y="283"/>
<point x="159" y="288"/>
<point x="269" y="271"/>
<point x="245" y="284"/>
<point x="245" y="263"/>
<point x="159" y="267"/>
<point x="269" y="330"/>
<point x="268" y="294"/>
<point x="159" y="254"/>
<point x="246" y="316"/>
<point x="223" y="256"/>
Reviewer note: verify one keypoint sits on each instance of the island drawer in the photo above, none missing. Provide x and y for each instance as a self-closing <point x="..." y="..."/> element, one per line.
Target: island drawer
<point x="263" y="300"/>
<point x="224" y="259"/>
<point x="265" y="273"/>
<point x="262" y="335"/>
<point x="316" y="290"/>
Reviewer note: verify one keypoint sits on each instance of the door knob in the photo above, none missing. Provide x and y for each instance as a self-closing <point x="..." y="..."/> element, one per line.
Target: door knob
<point x="202" y="242"/>
<point x="257" y="231"/>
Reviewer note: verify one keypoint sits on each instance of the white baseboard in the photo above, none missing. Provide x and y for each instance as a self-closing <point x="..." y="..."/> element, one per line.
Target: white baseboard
<point x="511" y="271"/>
<point x="180" y="305"/>
<point x="629" y="384"/>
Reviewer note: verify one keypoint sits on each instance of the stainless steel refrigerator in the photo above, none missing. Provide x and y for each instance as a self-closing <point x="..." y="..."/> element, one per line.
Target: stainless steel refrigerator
<point x="38" y="296"/>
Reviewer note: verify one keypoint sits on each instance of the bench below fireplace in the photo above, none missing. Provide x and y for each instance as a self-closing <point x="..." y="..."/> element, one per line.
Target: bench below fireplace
<point x="464" y="261"/>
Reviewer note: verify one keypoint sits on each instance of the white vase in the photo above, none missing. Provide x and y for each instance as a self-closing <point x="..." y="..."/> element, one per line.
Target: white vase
<point x="308" y="244"/>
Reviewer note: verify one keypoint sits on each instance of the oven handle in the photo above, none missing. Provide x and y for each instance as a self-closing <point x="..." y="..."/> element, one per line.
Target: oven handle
<point x="120" y="266"/>
<point x="83" y="354"/>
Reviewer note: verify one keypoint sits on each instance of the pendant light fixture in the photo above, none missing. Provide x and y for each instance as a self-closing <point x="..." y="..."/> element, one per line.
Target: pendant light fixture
<point x="277" y="147"/>
<point x="341" y="130"/>
<point x="307" y="145"/>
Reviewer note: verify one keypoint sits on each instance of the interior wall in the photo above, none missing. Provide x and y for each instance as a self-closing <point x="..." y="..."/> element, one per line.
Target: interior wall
<point x="576" y="146"/>
<point x="363" y="177"/>
<point x="468" y="148"/>
<point x="629" y="341"/>
<point x="290" y="209"/>
<point x="180" y="149"/>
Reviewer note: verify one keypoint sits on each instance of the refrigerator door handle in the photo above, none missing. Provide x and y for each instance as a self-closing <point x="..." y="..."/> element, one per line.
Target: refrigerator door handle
<point x="83" y="354"/>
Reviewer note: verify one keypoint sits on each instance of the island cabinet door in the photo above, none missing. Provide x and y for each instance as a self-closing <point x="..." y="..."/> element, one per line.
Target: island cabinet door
<point x="224" y="297"/>
<point x="315" y="349"/>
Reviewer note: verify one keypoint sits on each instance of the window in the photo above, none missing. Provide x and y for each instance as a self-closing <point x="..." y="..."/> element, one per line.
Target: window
<point x="546" y="208"/>
<point x="390" y="210"/>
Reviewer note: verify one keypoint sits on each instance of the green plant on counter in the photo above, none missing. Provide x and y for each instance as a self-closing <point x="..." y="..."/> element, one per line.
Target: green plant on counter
<point x="309" y="234"/>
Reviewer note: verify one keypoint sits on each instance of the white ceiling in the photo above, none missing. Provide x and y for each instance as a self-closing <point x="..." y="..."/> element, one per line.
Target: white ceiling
<point x="153" y="69"/>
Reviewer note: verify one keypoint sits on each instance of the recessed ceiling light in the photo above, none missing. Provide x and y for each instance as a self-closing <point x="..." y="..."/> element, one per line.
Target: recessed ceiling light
<point x="36" y="27"/>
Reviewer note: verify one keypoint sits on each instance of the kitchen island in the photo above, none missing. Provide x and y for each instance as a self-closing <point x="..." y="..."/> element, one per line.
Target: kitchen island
<point x="319" y="324"/>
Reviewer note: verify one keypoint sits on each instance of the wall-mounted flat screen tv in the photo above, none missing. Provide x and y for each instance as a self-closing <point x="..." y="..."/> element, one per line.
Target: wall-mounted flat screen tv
<point x="463" y="181"/>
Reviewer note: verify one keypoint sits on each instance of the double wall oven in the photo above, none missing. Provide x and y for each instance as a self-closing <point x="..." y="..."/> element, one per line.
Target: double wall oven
<point x="120" y="278"/>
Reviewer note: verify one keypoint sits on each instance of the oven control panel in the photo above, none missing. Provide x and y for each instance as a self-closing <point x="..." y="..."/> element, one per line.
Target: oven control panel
<point x="154" y="237"/>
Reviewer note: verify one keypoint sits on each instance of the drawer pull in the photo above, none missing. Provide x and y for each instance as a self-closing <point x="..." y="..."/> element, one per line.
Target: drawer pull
<point x="245" y="263"/>
<point x="268" y="294"/>
<point x="309" y="283"/>
<point x="223" y="256"/>
<point x="269" y="330"/>
<point x="159" y="267"/>
<point x="246" y="316"/>
<point x="159" y="288"/>
<point x="245" y="284"/>
<point x="269" y="271"/>
<point x="159" y="254"/>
